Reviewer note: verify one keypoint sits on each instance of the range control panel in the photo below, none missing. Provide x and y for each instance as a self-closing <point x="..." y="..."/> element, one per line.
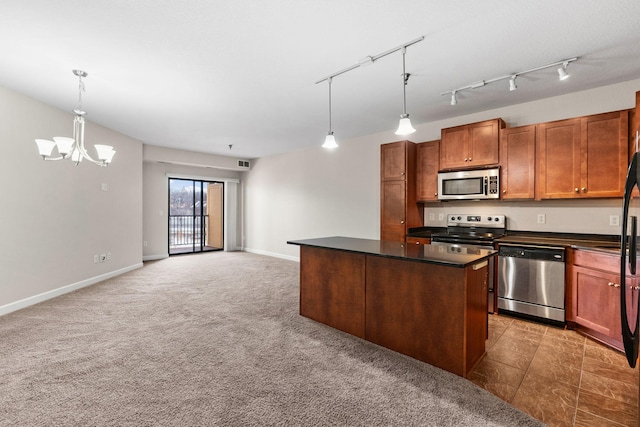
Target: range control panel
<point x="460" y="220"/>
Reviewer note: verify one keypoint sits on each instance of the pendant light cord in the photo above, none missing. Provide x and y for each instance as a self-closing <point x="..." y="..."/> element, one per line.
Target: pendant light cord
<point x="329" y="80"/>
<point x="405" y="77"/>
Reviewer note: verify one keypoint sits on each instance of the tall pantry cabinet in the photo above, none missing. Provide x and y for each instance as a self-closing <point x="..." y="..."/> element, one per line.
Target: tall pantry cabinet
<point x="398" y="208"/>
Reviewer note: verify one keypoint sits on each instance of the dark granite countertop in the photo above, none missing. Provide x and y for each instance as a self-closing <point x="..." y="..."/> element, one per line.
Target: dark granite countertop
<point x="596" y="242"/>
<point x="443" y="254"/>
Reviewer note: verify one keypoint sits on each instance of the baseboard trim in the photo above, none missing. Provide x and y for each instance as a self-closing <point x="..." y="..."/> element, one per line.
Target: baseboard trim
<point x="154" y="257"/>
<point x="26" y="302"/>
<point x="272" y="254"/>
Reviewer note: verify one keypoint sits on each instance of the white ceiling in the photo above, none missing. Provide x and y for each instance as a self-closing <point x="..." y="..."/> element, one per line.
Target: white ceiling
<point x="202" y="74"/>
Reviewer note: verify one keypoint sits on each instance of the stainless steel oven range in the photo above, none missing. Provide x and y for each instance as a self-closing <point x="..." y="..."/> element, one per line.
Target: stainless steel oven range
<point x="474" y="231"/>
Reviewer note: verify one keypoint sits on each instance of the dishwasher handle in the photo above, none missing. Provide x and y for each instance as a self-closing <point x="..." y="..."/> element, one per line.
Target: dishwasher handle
<point x="532" y="252"/>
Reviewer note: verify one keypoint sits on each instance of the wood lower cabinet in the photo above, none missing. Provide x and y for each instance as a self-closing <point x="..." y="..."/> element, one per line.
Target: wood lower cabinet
<point x="418" y="240"/>
<point x="595" y="295"/>
<point x="517" y="162"/>
<point x="427" y="166"/>
<point x="475" y="144"/>
<point x="585" y="157"/>
<point x="398" y="207"/>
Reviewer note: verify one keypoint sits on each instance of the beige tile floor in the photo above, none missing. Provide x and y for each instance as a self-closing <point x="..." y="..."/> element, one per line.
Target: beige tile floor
<point x="557" y="376"/>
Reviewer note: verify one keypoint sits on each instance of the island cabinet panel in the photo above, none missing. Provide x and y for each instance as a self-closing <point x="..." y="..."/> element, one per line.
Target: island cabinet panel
<point x="428" y="164"/>
<point x="432" y="313"/>
<point x="471" y="145"/>
<point x="332" y="288"/>
<point x="517" y="160"/>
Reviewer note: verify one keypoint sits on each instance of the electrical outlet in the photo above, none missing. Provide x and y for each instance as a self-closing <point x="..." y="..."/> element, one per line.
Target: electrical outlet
<point x="542" y="218"/>
<point x="103" y="257"/>
<point x="432" y="217"/>
<point x="108" y="255"/>
<point x="441" y="217"/>
<point x="96" y="258"/>
<point x="614" y="220"/>
<point x="104" y="187"/>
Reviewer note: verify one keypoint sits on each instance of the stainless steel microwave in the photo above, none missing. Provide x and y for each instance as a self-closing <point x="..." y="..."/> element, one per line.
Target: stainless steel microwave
<point x="469" y="185"/>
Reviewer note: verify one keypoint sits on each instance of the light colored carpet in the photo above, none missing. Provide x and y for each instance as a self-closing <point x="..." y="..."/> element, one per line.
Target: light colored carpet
<point x="215" y="339"/>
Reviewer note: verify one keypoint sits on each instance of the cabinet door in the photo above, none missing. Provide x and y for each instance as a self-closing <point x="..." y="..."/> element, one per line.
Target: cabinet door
<point x="558" y="159"/>
<point x="393" y="161"/>
<point x="517" y="159"/>
<point x="483" y="143"/>
<point x="604" y="158"/>
<point x="392" y="210"/>
<point x="428" y="161"/>
<point x="597" y="296"/>
<point x="453" y="147"/>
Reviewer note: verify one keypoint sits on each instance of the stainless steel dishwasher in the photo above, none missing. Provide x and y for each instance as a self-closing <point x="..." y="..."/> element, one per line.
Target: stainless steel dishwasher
<point x="531" y="280"/>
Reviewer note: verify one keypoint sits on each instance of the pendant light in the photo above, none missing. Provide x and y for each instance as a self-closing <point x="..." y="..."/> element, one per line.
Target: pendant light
<point x="404" y="126"/>
<point x="73" y="148"/>
<point x="330" y="140"/>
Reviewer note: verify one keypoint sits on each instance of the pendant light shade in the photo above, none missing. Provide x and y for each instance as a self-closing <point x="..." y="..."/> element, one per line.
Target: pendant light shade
<point x="404" y="126"/>
<point x="330" y="141"/>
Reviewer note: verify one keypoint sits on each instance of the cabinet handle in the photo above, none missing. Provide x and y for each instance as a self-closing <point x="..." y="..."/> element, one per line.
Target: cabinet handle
<point x="504" y="191"/>
<point x="417" y="243"/>
<point x="470" y="159"/>
<point x="435" y="194"/>
<point x="577" y="190"/>
<point x="402" y="222"/>
<point x="615" y="285"/>
<point x="634" y="288"/>
<point x="584" y="189"/>
<point x="466" y="160"/>
<point x="401" y="173"/>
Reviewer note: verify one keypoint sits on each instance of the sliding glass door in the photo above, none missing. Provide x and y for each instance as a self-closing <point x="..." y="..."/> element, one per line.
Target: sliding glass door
<point x="195" y="216"/>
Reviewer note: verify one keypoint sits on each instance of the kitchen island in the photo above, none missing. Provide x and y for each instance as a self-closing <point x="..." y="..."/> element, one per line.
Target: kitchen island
<point x="428" y="302"/>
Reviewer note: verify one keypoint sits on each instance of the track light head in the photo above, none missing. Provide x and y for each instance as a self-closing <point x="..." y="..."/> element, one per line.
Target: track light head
<point x="562" y="71"/>
<point x="454" y="99"/>
<point x="512" y="83"/>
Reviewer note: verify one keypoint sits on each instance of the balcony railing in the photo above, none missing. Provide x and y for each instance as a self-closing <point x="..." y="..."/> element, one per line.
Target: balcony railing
<point x="187" y="231"/>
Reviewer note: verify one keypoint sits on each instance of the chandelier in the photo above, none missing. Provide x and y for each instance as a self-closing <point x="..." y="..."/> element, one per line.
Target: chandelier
<point x="73" y="148"/>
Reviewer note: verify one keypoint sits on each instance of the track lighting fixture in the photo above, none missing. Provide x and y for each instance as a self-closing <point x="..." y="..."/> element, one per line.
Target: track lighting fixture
<point x="562" y="74"/>
<point x="404" y="127"/>
<point x="562" y="71"/>
<point x="330" y="140"/>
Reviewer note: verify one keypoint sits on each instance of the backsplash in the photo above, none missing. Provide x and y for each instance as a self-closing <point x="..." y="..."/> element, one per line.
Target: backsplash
<point x="560" y="216"/>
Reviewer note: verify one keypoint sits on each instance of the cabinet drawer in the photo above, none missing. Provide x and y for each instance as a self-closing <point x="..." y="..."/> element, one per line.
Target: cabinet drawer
<point x="597" y="260"/>
<point x="418" y="240"/>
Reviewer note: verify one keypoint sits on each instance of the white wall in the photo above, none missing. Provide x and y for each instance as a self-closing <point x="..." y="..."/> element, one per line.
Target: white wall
<point x="315" y="193"/>
<point x="55" y="216"/>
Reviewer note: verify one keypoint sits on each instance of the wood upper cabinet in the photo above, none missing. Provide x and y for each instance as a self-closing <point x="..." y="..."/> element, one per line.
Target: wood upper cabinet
<point x="584" y="157"/>
<point x="428" y="161"/>
<point x="471" y="145"/>
<point x="398" y="207"/>
<point x="517" y="162"/>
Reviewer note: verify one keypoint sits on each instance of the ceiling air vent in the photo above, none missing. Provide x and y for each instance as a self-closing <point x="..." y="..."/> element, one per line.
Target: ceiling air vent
<point x="243" y="163"/>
